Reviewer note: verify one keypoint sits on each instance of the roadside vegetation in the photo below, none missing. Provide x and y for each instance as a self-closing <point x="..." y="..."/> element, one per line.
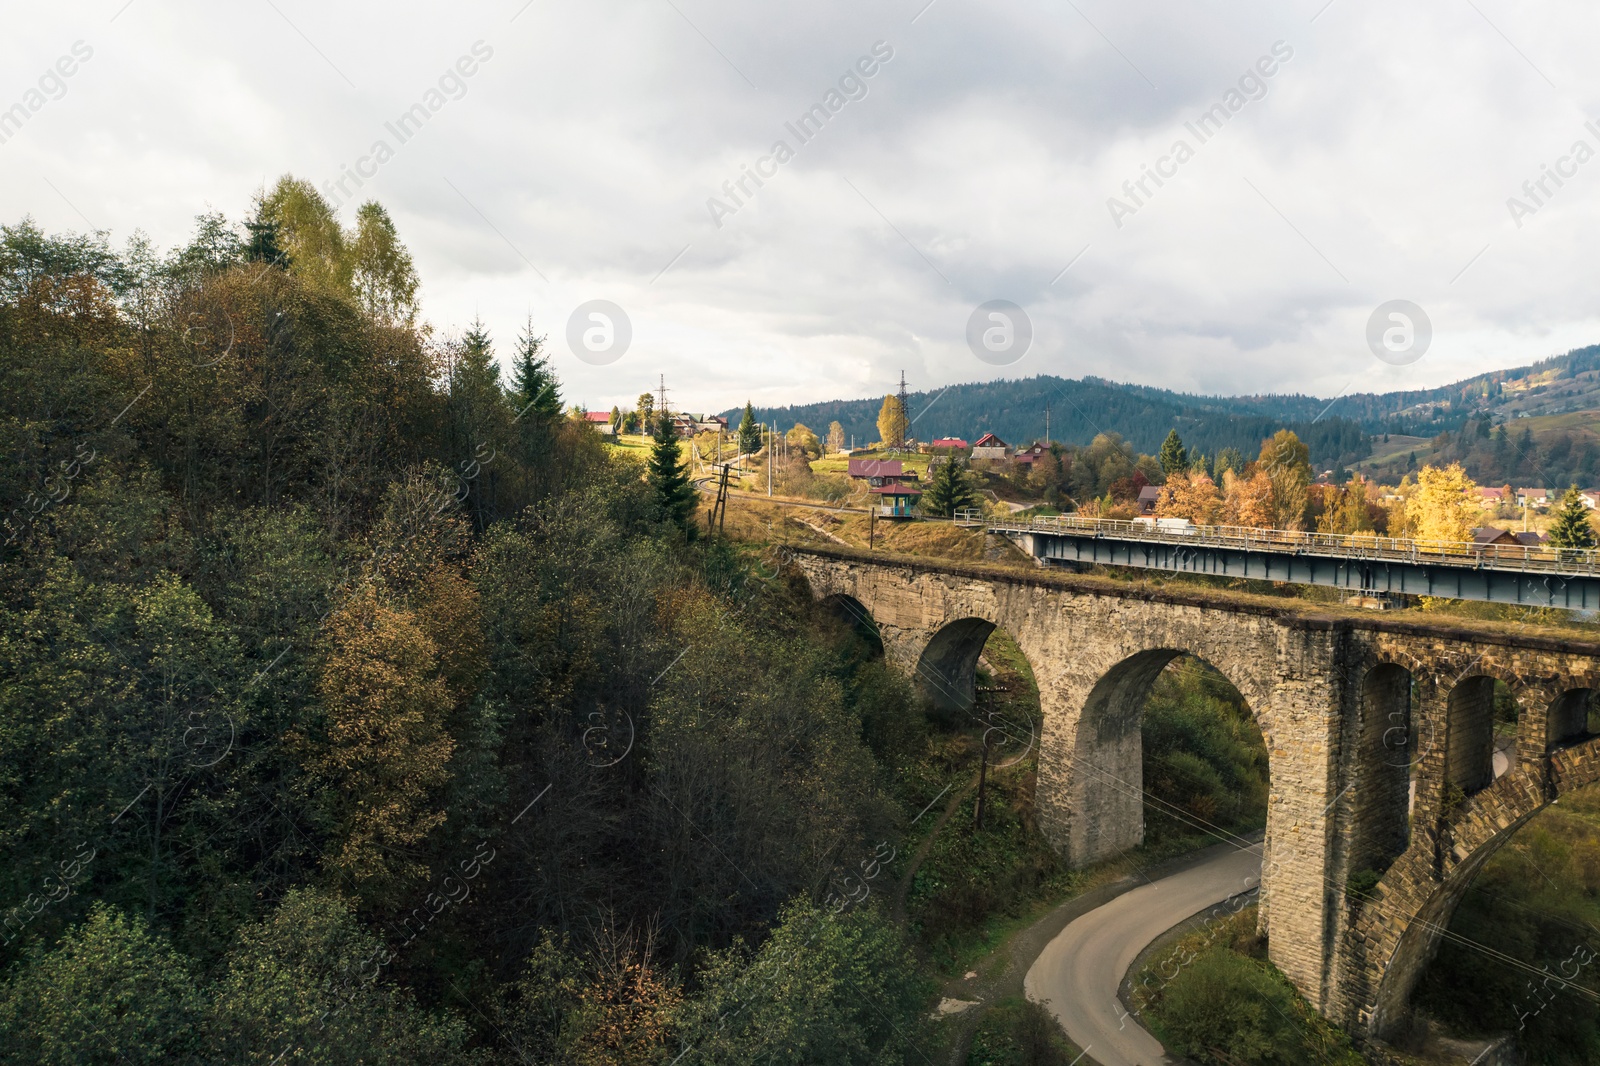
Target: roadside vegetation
<point x="1213" y="997"/>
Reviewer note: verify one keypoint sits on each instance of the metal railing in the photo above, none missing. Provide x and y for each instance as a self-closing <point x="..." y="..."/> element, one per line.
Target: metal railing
<point x="1526" y="557"/>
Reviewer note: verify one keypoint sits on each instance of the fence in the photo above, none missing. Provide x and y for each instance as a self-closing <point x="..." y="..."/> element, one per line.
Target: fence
<point x="1518" y="557"/>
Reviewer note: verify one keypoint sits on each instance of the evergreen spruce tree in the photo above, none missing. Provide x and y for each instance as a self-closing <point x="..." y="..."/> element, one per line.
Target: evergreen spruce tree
<point x="1571" y="528"/>
<point x="534" y="388"/>
<point x="263" y="244"/>
<point x="949" y="490"/>
<point x="749" y="432"/>
<point x="1174" y="460"/>
<point x="668" y="478"/>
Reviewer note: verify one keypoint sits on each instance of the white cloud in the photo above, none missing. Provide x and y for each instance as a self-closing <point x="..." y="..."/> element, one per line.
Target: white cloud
<point x="981" y="160"/>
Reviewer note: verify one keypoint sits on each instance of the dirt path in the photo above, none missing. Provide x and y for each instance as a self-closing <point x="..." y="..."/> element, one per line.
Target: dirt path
<point x="904" y="888"/>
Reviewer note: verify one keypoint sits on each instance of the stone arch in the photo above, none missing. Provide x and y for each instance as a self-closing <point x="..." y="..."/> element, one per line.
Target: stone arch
<point x="1422" y="933"/>
<point x="1470" y="734"/>
<point x="1383" y="786"/>
<point x="1567" y="718"/>
<point x="1107" y="762"/>
<point x="855" y="613"/>
<point x="947" y="668"/>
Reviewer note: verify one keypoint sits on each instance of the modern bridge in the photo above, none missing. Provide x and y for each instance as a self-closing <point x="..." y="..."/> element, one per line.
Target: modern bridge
<point x="1380" y="733"/>
<point x="1535" y="575"/>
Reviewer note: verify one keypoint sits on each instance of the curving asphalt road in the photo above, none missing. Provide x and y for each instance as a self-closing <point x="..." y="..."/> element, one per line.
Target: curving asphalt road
<point x="1078" y="973"/>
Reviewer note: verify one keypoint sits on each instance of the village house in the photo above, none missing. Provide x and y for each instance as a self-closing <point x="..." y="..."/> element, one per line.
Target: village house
<point x="989" y="446"/>
<point x="1148" y="497"/>
<point x="688" y="425"/>
<point x="1026" y="457"/>
<point x="1484" y="536"/>
<point x="600" y="420"/>
<point x="945" y="444"/>
<point x="1533" y="497"/>
<point x="880" y="472"/>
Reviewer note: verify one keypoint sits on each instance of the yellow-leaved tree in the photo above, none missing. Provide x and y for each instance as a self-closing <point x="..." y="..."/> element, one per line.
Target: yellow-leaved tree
<point x="1346" y="509"/>
<point x="892" y="422"/>
<point x="1444" y="505"/>
<point x="1192" y="496"/>
<point x="1247" y="501"/>
<point x="386" y="753"/>
<point x="1287" y="463"/>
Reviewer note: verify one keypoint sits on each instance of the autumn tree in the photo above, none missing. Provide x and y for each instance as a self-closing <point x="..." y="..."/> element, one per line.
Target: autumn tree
<point x="1345" y="509"/>
<point x="799" y="436"/>
<point x="1572" y="528"/>
<point x="1192" y="496"/>
<point x="892" y="423"/>
<point x="1287" y="463"/>
<point x="835" y="439"/>
<point x="383" y="277"/>
<point x="385" y="754"/>
<point x="308" y="230"/>
<point x="1247" y="501"/>
<point x="1445" y="504"/>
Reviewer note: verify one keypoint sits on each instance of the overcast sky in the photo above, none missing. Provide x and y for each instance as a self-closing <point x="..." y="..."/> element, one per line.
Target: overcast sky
<point x="577" y="161"/>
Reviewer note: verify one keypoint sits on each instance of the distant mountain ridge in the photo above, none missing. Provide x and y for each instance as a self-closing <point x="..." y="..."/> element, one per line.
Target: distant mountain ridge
<point x="1337" y="430"/>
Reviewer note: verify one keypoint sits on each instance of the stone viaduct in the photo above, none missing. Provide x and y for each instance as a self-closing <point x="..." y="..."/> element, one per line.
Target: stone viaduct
<point x="1381" y="738"/>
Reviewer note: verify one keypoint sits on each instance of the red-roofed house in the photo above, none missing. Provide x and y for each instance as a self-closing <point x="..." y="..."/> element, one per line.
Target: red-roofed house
<point x="879" y="472"/>
<point x="600" y="420"/>
<point x="947" y="444"/>
<point x="989" y="446"/>
<point x="897" y="501"/>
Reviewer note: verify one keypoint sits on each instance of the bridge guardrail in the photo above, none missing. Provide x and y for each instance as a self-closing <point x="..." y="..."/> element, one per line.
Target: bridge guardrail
<point x="1521" y="557"/>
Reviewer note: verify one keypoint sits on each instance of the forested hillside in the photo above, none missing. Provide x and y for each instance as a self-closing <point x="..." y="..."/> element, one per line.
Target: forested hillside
<point x="1336" y="430"/>
<point x="1080" y="410"/>
<point x="357" y="706"/>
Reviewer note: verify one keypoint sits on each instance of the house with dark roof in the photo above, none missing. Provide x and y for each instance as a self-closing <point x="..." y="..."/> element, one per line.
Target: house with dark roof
<point x="1026" y="457"/>
<point x="1486" y="535"/>
<point x="1148" y="497"/>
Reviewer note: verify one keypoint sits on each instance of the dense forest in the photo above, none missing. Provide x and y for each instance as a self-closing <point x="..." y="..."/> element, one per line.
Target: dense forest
<point x="356" y="705"/>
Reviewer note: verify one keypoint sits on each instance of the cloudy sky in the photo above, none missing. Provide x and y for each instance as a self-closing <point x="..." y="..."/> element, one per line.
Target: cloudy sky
<point x="579" y="159"/>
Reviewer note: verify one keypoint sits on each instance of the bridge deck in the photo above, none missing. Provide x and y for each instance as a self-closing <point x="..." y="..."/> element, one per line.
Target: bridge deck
<point x="1288" y="610"/>
<point x="1536" y="575"/>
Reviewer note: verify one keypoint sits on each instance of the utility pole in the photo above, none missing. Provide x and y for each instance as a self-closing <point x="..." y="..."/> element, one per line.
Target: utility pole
<point x="769" y="462"/>
<point x="905" y="413"/>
